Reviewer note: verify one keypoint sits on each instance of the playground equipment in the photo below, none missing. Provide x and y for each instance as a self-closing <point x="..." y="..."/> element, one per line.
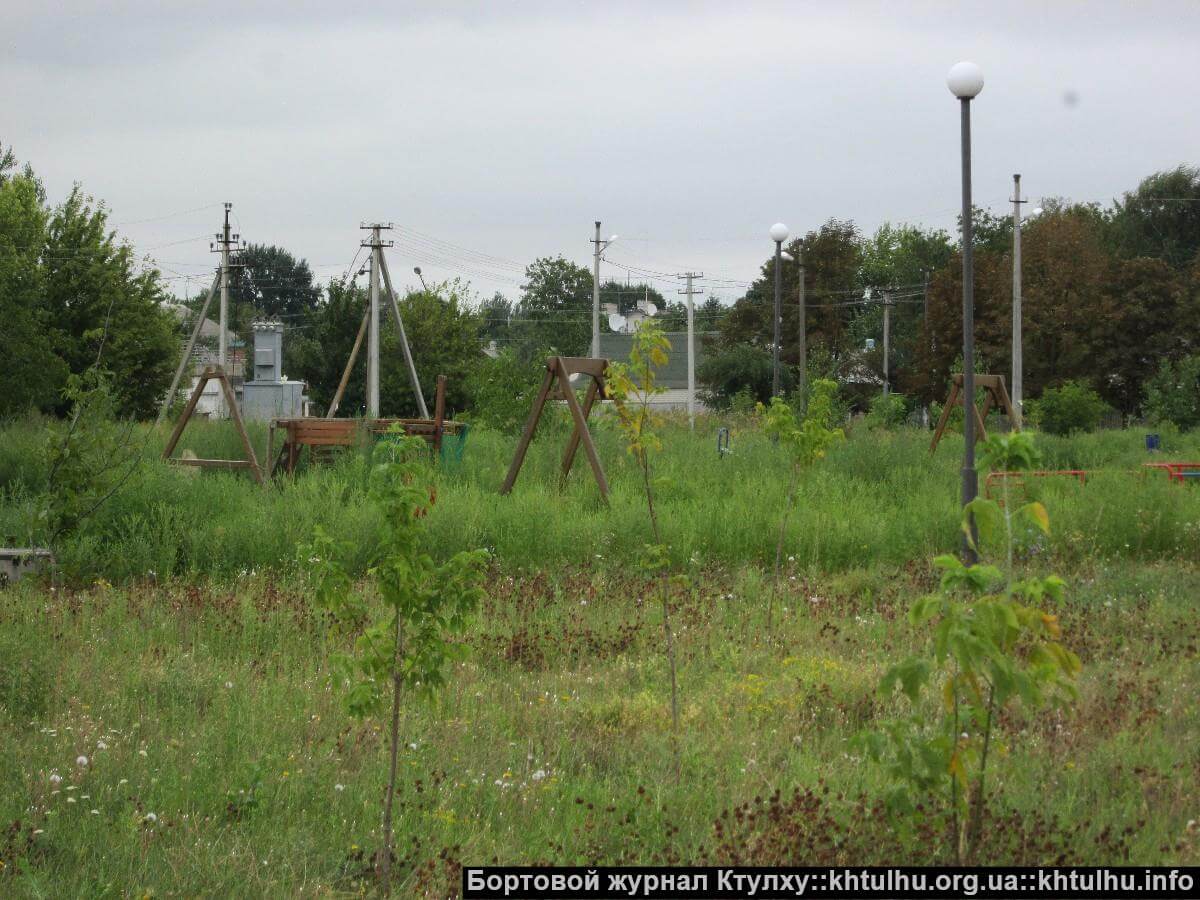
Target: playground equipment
<point x="1177" y="473"/>
<point x="995" y="396"/>
<point x="250" y="462"/>
<point x="560" y="369"/>
<point x="320" y="434"/>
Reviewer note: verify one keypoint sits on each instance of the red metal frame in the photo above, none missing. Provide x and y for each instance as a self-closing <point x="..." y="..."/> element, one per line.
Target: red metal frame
<point x="1176" y="471"/>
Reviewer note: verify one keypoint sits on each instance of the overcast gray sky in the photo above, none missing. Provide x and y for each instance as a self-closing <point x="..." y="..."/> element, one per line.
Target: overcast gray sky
<point x="508" y="128"/>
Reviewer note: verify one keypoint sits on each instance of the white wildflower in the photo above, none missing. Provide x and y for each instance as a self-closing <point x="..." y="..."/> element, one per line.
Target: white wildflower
<point x="81" y="761"/>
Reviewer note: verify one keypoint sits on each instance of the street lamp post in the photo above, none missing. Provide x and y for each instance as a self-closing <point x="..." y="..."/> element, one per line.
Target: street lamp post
<point x="965" y="81"/>
<point x="779" y="234"/>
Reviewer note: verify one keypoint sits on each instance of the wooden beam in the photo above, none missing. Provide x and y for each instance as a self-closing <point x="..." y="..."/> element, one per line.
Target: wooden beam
<point x="235" y="414"/>
<point x="215" y="463"/>
<point x="439" y="413"/>
<point x="531" y="424"/>
<point x="584" y="435"/>
<point x="585" y="365"/>
<point x="944" y="418"/>
<point x="568" y="459"/>
<point x="187" y="414"/>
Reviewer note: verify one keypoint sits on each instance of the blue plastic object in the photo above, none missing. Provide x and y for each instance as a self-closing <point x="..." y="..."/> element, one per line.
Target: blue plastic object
<point x="1153" y="443"/>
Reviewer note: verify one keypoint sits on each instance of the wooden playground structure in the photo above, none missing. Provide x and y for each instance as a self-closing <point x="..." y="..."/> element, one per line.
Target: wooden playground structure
<point x="1176" y="472"/>
<point x="560" y="369"/>
<point x="995" y="397"/>
<point x="215" y="373"/>
<point x="318" y="435"/>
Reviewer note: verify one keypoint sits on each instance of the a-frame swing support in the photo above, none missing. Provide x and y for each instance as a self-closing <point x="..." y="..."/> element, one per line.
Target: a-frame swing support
<point x="995" y="397"/>
<point x="250" y="462"/>
<point x="560" y="369"/>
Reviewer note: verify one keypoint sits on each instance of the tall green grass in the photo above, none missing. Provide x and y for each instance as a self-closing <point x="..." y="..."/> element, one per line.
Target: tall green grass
<point x="879" y="498"/>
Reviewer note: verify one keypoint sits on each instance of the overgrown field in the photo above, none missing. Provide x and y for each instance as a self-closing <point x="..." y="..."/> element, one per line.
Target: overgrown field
<point x="182" y="656"/>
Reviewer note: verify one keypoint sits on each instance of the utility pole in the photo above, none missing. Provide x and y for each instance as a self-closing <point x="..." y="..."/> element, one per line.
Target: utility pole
<point x="599" y="247"/>
<point x="1017" y="361"/>
<point x="803" y="330"/>
<point x="223" y="339"/>
<point x="929" y="336"/>
<point x="376" y="244"/>
<point x="691" y="350"/>
<point x="596" y="293"/>
<point x="225" y="239"/>
<point x="887" y="333"/>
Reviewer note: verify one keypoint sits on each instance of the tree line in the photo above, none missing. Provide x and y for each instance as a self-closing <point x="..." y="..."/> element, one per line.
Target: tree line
<point x="1111" y="293"/>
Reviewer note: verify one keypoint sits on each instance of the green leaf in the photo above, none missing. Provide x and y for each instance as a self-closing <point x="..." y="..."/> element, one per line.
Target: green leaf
<point x="988" y="517"/>
<point x="1036" y="514"/>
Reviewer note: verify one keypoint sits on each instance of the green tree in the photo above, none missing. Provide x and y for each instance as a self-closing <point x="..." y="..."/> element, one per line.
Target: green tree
<point x="95" y="291"/>
<point x="1161" y="218"/>
<point x="805" y="443"/>
<point x="502" y="390"/>
<point x="632" y="388"/>
<point x="1173" y="393"/>
<point x="495" y="318"/>
<point x="1069" y="408"/>
<point x="410" y="645"/>
<point x="33" y="373"/>
<point x="318" y="354"/>
<point x="989" y="646"/>
<point x="555" y="309"/>
<point x="742" y="368"/>
<point x="271" y="284"/>
<point x="443" y="334"/>
<point x="832" y="258"/>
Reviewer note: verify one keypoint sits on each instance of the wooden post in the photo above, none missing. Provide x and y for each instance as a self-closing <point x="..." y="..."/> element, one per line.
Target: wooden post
<point x="589" y="399"/>
<point x="187" y="414"/>
<point x="235" y="413"/>
<point x="531" y="424"/>
<point x="439" y="413"/>
<point x="585" y="436"/>
<point x="561" y="368"/>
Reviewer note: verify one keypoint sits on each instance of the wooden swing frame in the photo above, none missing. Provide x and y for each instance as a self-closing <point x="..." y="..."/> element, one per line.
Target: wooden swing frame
<point x="215" y="373"/>
<point x="995" y="397"/>
<point x="560" y="369"/>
